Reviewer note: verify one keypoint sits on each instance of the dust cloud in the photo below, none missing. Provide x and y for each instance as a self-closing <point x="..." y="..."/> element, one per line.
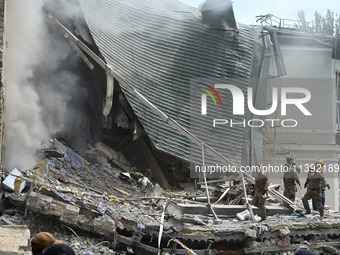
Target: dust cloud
<point x="42" y="93"/>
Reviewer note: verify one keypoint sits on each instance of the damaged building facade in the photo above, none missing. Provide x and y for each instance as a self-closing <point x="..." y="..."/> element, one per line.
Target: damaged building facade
<point x="169" y="75"/>
<point x="311" y="63"/>
<point x="151" y="71"/>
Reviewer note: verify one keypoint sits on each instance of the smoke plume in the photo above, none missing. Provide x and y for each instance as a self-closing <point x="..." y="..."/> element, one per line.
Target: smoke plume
<point x="42" y="92"/>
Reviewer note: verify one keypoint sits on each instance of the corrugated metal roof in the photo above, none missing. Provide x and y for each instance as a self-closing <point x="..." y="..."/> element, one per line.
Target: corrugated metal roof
<point x="159" y="46"/>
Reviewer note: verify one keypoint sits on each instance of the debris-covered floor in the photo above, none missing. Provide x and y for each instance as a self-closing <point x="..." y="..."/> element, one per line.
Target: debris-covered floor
<point x="97" y="208"/>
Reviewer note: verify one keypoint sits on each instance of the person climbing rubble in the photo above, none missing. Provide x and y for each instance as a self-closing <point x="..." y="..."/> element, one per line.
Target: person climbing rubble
<point x="290" y="178"/>
<point x="261" y="189"/>
<point x="41" y="241"/>
<point x="314" y="183"/>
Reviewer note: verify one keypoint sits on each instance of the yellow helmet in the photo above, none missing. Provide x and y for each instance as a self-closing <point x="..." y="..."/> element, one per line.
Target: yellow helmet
<point x="320" y="162"/>
<point x="289" y="157"/>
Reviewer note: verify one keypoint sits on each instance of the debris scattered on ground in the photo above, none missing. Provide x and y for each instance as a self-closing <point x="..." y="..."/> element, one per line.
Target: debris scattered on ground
<point x="103" y="209"/>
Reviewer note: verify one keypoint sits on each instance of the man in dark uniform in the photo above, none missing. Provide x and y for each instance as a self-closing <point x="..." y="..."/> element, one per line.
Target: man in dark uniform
<point x="318" y="166"/>
<point x="290" y="178"/>
<point x="261" y="188"/>
<point x="314" y="184"/>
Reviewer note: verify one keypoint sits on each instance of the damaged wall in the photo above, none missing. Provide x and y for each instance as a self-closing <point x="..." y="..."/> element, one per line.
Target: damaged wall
<point x="308" y="59"/>
<point x="14" y="240"/>
<point x="159" y="51"/>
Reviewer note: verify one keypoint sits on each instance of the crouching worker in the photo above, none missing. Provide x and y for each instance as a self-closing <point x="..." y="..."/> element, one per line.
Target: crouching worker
<point x="261" y="188"/>
<point x="41" y="241"/>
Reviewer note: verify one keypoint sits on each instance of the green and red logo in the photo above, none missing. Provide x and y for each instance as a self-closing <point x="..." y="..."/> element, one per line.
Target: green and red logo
<point x="204" y="97"/>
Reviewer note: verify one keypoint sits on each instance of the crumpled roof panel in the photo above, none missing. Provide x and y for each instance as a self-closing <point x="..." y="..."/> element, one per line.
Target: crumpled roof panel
<point x="159" y="46"/>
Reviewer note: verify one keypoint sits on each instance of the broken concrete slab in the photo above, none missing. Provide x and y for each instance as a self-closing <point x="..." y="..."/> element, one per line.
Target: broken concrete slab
<point x="71" y="214"/>
<point x="9" y="181"/>
<point x="114" y="156"/>
<point x="7" y="221"/>
<point x="38" y="202"/>
<point x="173" y="209"/>
<point x="157" y="191"/>
<point x="250" y="233"/>
<point x="58" y="146"/>
<point x="46" y="205"/>
<point x="14" y="240"/>
<point x="229" y="209"/>
<point x="18" y="201"/>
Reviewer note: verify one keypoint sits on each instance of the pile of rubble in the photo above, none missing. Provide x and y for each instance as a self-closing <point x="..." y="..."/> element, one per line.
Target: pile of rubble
<point x="98" y="208"/>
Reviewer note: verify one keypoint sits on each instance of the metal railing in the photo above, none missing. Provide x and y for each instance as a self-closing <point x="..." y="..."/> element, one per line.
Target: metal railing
<point x="270" y="20"/>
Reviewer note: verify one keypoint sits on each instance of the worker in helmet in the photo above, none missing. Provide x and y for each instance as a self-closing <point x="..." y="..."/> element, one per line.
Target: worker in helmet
<point x="291" y="162"/>
<point x="290" y="158"/>
<point x="318" y="167"/>
<point x="320" y="162"/>
<point x="261" y="189"/>
<point x="314" y="184"/>
<point x="290" y="178"/>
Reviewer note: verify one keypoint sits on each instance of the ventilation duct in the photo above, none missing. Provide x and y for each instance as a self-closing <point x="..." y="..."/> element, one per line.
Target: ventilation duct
<point x="218" y="14"/>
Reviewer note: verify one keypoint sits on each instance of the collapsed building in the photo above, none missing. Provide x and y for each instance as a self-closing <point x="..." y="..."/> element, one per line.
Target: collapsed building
<point x="143" y="65"/>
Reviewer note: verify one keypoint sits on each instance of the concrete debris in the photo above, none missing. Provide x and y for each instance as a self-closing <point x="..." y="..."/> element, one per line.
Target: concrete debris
<point x="112" y="155"/>
<point x="284" y="231"/>
<point x="14" y="240"/>
<point x="17" y="200"/>
<point x="106" y="203"/>
<point x="9" y="182"/>
<point x="244" y="215"/>
<point x="7" y="221"/>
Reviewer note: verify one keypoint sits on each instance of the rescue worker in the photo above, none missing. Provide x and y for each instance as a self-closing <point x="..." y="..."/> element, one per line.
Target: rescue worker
<point x="290" y="178"/>
<point x="290" y="161"/>
<point x="318" y="166"/>
<point x="314" y="184"/>
<point x="261" y="188"/>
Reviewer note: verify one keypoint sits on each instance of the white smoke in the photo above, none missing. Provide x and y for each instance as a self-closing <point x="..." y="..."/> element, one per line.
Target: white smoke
<point x="41" y="91"/>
